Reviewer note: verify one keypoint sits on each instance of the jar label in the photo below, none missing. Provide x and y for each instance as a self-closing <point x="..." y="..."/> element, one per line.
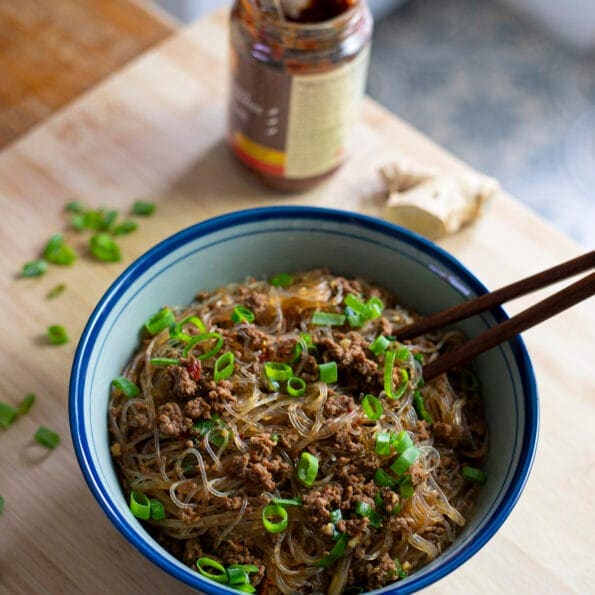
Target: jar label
<point x="294" y="125"/>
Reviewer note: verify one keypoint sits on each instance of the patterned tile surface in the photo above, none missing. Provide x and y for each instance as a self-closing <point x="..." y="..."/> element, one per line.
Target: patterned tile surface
<point x="499" y="93"/>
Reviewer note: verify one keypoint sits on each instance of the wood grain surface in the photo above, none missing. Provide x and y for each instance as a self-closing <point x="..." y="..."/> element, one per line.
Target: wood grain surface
<point x="51" y="51"/>
<point x="155" y="130"/>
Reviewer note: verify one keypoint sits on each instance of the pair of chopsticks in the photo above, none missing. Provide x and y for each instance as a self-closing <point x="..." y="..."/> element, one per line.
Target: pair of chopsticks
<point x="556" y="303"/>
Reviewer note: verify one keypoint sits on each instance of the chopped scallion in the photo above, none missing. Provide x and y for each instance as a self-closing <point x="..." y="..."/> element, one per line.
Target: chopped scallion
<point x="382" y="443"/>
<point x="419" y="358"/>
<point x="36" y="268"/>
<point x="406" y="489"/>
<point x="383" y="479"/>
<point x="202" y="339"/>
<point x="296" y="386"/>
<point x="160" y="321"/>
<point x="355" y="304"/>
<point x="328" y="372"/>
<point x="282" y="280"/>
<point x="274" y="518"/>
<point x="242" y="314"/>
<point x="379" y="345"/>
<point x="328" y="318"/>
<point x="7" y="415"/>
<point x="224" y="366"/>
<point x="57" y="252"/>
<point x="303" y="344"/>
<point x="104" y="248"/>
<point x="278" y="371"/>
<point x="372" y="407"/>
<point x="364" y="509"/>
<point x="287" y="501"/>
<point x="164" y="361"/>
<point x="389" y="389"/>
<point x="399" y="570"/>
<point x="420" y="407"/>
<point x="335" y="516"/>
<point x="26" y="404"/>
<point x="337" y="552"/>
<point x="402" y="441"/>
<point x="157" y="509"/>
<point x="125" y="227"/>
<point x="75" y="206"/>
<point x="202" y="564"/>
<point x="127" y="387"/>
<point x="1" y="504"/>
<point x="57" y="334"/>
<point x="55" y="291"/>
<point x="77" y="222"/>
<point x="405" y="460"/>
<point x="143" y="208"/>
<point x="374" y="308"/>
<point x="307" y="468"/>
<point x="46" y="437"/>
<point x="473" y="474"/>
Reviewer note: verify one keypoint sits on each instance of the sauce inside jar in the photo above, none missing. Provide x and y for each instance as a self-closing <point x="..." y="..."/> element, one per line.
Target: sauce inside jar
<point x="296" y="86"/>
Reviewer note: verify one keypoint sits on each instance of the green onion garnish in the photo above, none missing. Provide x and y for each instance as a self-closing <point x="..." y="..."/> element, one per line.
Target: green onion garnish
<point x="400" y="572"/>
<point x="160" y="321"/>
<point x="157" y="509"/>
<point x="307" y="468"/>
<point x="303" y="344"/>
<point x="420" y="407"/>
<point x="127" y="387"/>
<point x="355" y="320"/>
<point x="278" y="371"/>
<point x="140" y="505"/>
<point x="379" y="345"/>
<point x="55" y="291"/>
<point x="247" y="588"/>
<point x="402" y="354"/>
<point x="209" y="426"/>
<point x="46" y="437"/>
<point x="104" y="248"/>
<point x="407" y="458"/>
<point x="242" y="314"/>
<point x="287" y="501"/>
<point x="474" y="474"/>
<point x="402" y="441"/>
<point x="7" y="414"/>
<point x="224" y="366"/>
<point x="26" y="404"/>
<point x="282" y="280"/>
<point x="237" y="576"/>
<point x="364" y="509"/>
<point x="374" y="308"/>
<point x="296" y="386"/>
<point x="164" y="361"/>
<point x="271" y="512"/>
<point x="419" y="358"/>
<point x="469" y="381"/>
<point x="335" y="516"/>
<point x="57" y="252"/>
<point x="35" y="268"/>
<point x="95" y="220"/>
<point x="175" y="330"/>
<point x="406" y="489"/>
<point x="125" y="227"/>
<point x="220" y="576"/>
<point x="355" y="304"/>
<point x="328" y="318"/>
<point x="57" y="334"/>
<point x="201" y="339"/>
<point x="143" y="208"/>
<point x="337" y="552"/>
<point x="328" y="372"/>
<point x="77" y="222"/>
<point x="389" y="363"/>
<point x="1" y="504"/>
<point x="372" y="407"/>
<point x="75" y="206"/>
<point x="382" y="443"/>
<point x="383" y="479"/>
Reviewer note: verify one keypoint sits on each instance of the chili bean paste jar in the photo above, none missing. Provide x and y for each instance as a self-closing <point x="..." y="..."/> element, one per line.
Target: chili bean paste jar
<point x="297" y="78"/>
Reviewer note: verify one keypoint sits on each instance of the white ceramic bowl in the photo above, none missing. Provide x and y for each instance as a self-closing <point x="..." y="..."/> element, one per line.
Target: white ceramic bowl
<point x="268" y="241"/>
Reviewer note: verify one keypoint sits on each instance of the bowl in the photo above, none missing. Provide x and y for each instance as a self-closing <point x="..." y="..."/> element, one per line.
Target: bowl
<point x="267" y="241"/>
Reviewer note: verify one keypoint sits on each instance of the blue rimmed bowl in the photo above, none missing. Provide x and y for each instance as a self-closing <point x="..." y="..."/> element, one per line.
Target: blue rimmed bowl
<point x="266" y="241"/>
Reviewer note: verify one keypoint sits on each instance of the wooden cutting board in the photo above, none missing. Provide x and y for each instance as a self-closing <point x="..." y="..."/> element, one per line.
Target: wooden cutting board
<point x="155" y="130"/>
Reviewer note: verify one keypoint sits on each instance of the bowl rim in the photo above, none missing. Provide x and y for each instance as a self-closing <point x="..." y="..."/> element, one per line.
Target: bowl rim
<point x="146" y="545"/>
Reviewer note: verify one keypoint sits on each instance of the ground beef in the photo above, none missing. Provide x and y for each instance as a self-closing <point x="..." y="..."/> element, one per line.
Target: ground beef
<point x="382" y="326"/>
<point x="182" y="386"/>
<point x="257" y="301"/>
<point x="234" y="552"/>
<point x="289" y="439"/>
<point x="197" y="409"/>
<point x="309" y="371"/>
<point x="261" y="471"/>
<point x="320" y="502"/>
<point x="381" y="571"/>
<point x="170" y="420"/>
<point x="446" y="435"/>
<point x="216" y="394"/>
<point x="336" y="405"/>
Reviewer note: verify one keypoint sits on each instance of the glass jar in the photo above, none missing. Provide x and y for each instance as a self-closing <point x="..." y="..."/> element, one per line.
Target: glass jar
<point x="295" y="90"/>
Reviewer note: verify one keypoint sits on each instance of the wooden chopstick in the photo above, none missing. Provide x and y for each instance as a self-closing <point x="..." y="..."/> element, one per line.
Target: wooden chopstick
<point x="556" y="303"/>
<point x="495" y="298"/>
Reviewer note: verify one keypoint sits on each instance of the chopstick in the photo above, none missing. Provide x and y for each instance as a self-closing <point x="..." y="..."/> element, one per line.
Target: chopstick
<point x="495" y="298"/>
<point x="556" y="303"/>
